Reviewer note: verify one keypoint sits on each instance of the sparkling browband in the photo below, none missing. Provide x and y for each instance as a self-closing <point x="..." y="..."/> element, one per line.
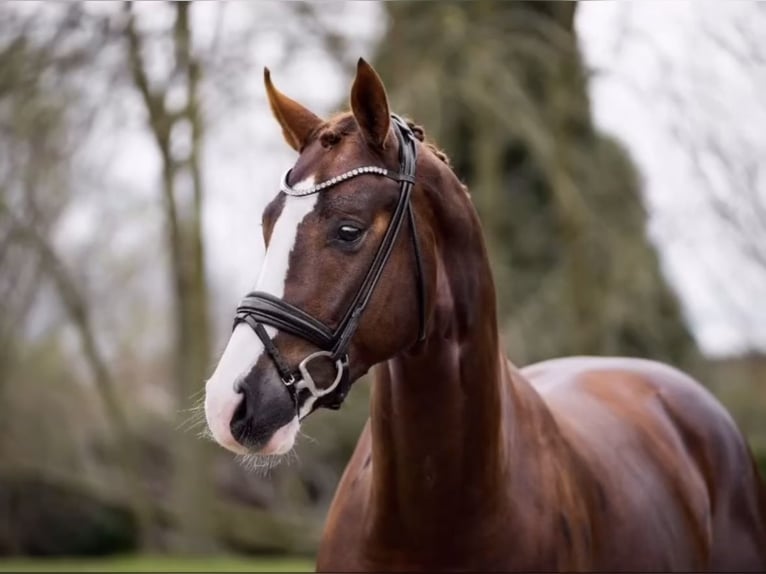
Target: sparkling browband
<point x="285" y="187"/>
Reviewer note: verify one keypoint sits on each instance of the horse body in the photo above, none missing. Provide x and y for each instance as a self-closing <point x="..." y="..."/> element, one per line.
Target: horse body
<point x="466" y="463"/>
<point x="619" y="464"/>
<point x="583" y="463"/>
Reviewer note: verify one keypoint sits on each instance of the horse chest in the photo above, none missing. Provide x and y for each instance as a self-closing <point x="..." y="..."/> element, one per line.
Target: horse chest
<point x="361" y="537"/>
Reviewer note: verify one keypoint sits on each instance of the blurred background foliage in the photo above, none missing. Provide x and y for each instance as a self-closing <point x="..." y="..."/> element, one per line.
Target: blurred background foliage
<point x="110" y="307"/>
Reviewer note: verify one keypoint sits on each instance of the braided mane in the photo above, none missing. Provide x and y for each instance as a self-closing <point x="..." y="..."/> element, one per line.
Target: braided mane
<point x="420" y="133"/>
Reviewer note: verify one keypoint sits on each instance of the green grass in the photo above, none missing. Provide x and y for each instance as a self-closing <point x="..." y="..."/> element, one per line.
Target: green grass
<point x="146" y="563"/>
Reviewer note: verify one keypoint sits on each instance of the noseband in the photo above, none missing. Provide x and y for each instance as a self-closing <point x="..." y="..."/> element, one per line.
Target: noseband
<point x="258" y="308"/>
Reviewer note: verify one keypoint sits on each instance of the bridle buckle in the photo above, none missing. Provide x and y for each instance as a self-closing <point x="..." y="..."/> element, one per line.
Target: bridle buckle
<point x="290" y="380"/>
<point x="307" y="381"/>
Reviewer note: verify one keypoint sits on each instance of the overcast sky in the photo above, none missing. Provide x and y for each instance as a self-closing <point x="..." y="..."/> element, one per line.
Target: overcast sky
<point x="644" y="54"/>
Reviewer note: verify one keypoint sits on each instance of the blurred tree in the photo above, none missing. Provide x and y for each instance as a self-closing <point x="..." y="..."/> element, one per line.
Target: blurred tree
<point x="71" y="84"/>
<point x="503" y="88"/>
<point x="715" y="115"/>
<point x="182" y="201"/>
<point x="706" y="119"/>
<point x="38" y="124"/>
<point x="726" y="156"/>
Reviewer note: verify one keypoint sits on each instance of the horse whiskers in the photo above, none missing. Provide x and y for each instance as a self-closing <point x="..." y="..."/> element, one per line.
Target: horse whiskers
<point x="311" y="439"/>
<point x="258" y="463"/>
<point x="195" y="419"/>
<point x="292" y="457"/>
<point x="199" y="403"/>
<point x="205" y="434"/>
<point x="198" y="394"/>
<point x="263" y="464"/>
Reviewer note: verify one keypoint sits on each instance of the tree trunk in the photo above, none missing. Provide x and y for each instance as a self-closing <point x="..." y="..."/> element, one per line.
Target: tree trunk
<point x="183" y="224"/>
<point x="502" y="87"/>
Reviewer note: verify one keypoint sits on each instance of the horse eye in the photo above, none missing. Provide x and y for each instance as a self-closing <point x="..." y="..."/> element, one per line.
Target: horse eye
<point x="349" y="233"/>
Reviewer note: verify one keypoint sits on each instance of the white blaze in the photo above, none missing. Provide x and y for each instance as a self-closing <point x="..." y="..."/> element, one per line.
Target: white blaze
<point x="244" y="347"/>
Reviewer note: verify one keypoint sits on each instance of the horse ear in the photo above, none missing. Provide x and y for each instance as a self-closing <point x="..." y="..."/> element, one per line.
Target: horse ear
<point x="369" y="104"/>
<point x="297" y="122"/>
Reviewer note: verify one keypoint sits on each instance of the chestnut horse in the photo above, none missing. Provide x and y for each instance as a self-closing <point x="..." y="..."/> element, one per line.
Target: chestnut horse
<point x="375" y="258"/>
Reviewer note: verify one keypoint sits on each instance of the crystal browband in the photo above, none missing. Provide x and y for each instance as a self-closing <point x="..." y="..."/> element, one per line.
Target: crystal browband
<point x="286" y="188"/>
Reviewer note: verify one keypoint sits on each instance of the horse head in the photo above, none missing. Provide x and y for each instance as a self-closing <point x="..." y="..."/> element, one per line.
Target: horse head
<point x="349" y="273"/>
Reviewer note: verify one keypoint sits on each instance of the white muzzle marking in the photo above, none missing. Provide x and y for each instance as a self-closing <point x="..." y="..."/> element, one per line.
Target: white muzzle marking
<point x="244" y="348"/>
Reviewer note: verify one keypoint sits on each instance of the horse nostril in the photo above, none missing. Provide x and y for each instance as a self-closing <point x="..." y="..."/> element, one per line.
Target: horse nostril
<point x="240" y="420"/>
<point x="265" y="407"/>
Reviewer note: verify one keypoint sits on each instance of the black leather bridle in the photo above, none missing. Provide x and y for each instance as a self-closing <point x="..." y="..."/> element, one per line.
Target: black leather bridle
<point x="258" y="308"/>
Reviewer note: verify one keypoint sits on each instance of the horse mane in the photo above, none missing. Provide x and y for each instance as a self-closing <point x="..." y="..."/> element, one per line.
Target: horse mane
<point x="420" y="133"/>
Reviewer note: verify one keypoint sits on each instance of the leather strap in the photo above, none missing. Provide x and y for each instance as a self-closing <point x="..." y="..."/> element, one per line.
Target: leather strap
<point x="420" y="285"/>
<point x="271" y="349"/>
<point x="258" y="308"/>
<point x="266" y="308"/>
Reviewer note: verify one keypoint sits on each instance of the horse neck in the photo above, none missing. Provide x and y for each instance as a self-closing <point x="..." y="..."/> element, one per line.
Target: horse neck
<point x="440" y="412"/>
